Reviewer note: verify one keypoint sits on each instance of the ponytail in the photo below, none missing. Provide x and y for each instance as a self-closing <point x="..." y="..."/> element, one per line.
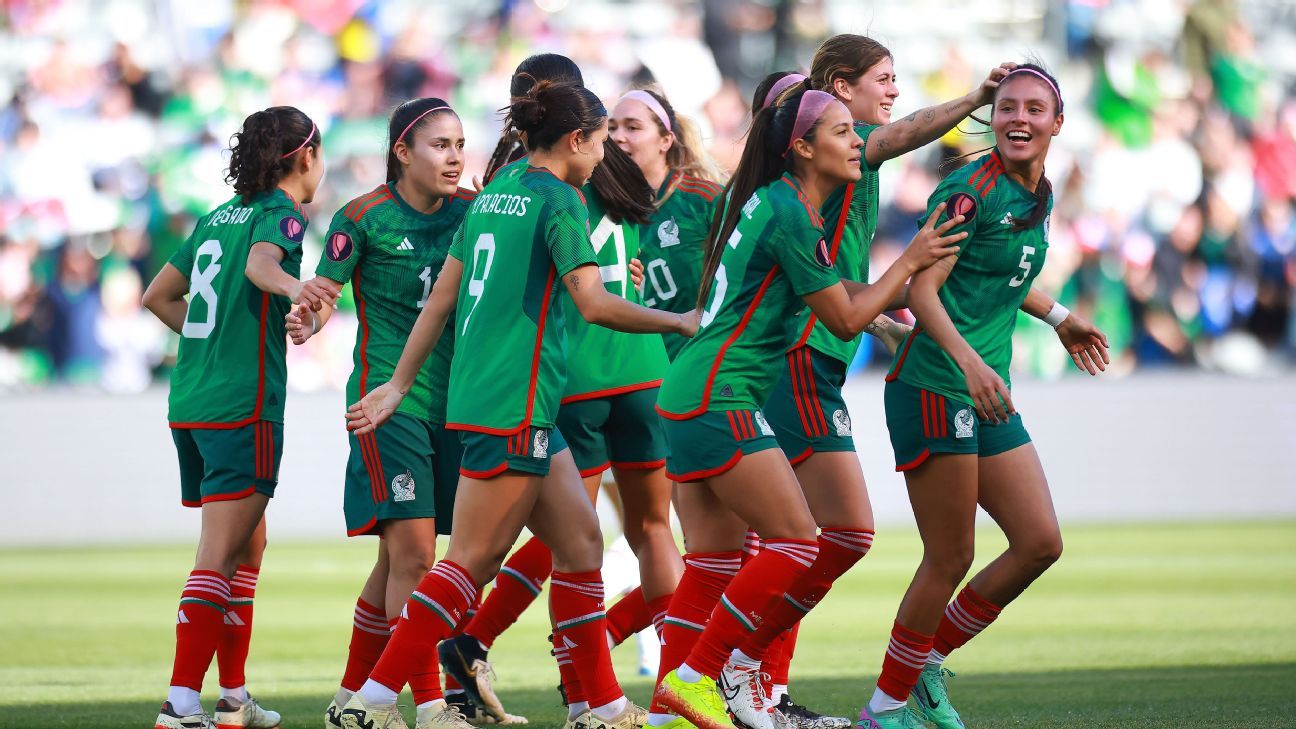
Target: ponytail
<point x="265" y="149"/>
<point x="532" y="70"/>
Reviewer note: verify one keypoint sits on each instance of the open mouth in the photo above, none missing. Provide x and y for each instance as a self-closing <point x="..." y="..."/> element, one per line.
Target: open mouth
<point x="451" y="176"/>
<point x="886" y="108"/>
<point x="1019" y="138"/>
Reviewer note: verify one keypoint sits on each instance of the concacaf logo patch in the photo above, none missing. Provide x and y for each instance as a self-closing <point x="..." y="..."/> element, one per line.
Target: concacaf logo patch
<point x="403" y="487"/>
<point x="339" y="247"/>
<point x="822" y="255"/>
<point x="963" y="422"/>
<point x="292" y="228"/>
<point x="540" y="444"/>
<point x="961" y="203"/>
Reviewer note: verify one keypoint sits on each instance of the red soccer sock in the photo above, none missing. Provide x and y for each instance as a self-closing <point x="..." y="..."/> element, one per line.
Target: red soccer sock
<point x="839" y="550"/>
<point x="629" y="616"/>
<point x="964" y="618"/>
<point x="657" y="608"/>
<point x="517" y="586"/>
<point x="905" y="657"/>
<point x="434" y="609"/>
<point x="232" y="649"/>
<point x="778" y="661"/>
<point x="450" y="683"/>
<point x="706" y="575"/>
<point x="576" y="603"/>
<point x="199" y="624"/>
<point x="425" y="684"/>
<point x="567" y="675"/>
<point x="751" y="546"/>
<point x="768" y="574"/>
<point x="369" y="634"/>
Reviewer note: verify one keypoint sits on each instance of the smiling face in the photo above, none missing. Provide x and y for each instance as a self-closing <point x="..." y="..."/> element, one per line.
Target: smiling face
<point x="836" y="149"/>
<point x="871" y="96"/>
<point x="635" y="129"/>
<point x="432" y="155"/>
<point x="1025" y="118"/>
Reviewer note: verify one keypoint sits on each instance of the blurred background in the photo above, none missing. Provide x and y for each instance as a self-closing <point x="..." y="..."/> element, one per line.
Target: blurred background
<point x="1176" y="170"/>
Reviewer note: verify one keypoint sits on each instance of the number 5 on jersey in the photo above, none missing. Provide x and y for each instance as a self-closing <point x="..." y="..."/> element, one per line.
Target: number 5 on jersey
<point x="483" y="255"/>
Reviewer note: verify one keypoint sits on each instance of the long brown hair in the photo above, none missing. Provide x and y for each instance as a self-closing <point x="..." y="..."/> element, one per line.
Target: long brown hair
<point x="264" y="151"/>
<point x="847" y="57"/>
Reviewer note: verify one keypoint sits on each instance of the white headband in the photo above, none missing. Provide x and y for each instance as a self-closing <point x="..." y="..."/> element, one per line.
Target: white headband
<point x="645" y="98"/>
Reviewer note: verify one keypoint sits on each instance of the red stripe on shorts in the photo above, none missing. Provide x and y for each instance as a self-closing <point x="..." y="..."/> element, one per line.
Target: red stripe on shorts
<point x="822" y="423"/>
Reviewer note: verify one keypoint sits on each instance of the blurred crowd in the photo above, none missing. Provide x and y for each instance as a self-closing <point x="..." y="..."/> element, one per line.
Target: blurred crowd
<point x="1174" y="226"/>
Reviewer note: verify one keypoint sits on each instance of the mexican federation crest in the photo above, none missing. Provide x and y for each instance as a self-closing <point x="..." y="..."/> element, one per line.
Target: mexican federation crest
<point x="841" y="421"/>
<point x="963" y="422"/>
<point x="540" y="444"/>
<point x="668" y="233"/>
<point x="403" y="487"/>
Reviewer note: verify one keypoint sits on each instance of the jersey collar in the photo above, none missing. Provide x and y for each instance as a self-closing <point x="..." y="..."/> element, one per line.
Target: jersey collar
<point x="409" y="209"/>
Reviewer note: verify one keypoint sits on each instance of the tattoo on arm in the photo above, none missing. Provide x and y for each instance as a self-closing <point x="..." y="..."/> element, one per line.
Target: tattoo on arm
<point x="912" y="117"/>
<point x="574" y="281"/>
<point x="872" y="327"/>
<point x="929" y="115"/>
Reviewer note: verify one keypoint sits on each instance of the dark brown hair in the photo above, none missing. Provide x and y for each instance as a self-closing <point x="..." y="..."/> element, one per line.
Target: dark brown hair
<point x="767" y="83"/>
<point x="533" y="69"/>
<point x="847" y="57"/>
<point x="265" y="149"/>
<point x="406" y="121"/>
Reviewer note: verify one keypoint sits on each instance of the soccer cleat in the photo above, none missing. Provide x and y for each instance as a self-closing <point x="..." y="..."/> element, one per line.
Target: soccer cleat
<point x="745" y="696"/>
<point x="580" y="721"/>
<point x="678" y="722"/>
<point x="800" y="717"/>
<point x="700" y="703"/>
<point x="167" y="718"/>
<point x="333" y="716"/>
<point x="932" y="696"/>
<point x="247" y="715"/>
<point x="901" y="718"/>
<point x="633" y="717"/>
<point x="441" y="715"/>
<point x="463" y="658"/>
<point x="358" y="714"/>
<point x="477" y="716"/>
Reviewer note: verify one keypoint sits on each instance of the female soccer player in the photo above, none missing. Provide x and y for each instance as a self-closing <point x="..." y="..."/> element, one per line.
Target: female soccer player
<point x="390" y="244"/>
<point x="240" y="269"/>
<point x="769" y="259"/>
<point x="527" y="229"/>
<point x="957" y="437"/>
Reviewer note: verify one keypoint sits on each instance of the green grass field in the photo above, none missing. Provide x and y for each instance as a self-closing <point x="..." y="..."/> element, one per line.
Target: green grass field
<point x="1186" y="625"/>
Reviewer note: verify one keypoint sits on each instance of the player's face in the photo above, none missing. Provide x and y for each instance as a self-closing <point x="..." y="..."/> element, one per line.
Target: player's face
<point x="436" y="155"/>
<point x="872" y="95"/>
<point x="1025" y="118"/>
<point x="588" y="155"/>
<point x="635" y="129"/>
<point x="836" y="150"/>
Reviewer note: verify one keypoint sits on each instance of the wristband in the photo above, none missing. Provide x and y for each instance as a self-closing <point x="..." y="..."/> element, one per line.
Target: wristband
<point x="314" y="324"/>
<point x="1056" y="315"/>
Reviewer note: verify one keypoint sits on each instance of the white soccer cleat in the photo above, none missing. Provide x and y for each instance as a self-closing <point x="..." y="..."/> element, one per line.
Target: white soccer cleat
<point x="359" y="714"/>
<point x="167" y="718"/>
<point x="247" y="715"/>
<point x="745" y="696"/>
<point x="441" y="715"/>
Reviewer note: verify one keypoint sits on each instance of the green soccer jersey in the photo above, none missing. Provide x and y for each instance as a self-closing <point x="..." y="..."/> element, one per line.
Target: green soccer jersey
<point x="230" y="368"/>
<point x="671" y="246"/>
<point x="995" y="268"/>
<point x="776" y="255"/>
<point x="392" y="255"/>
<point x="524" y="231"/>
<point x="850" y="214"/>
<point x="602" y="362"/>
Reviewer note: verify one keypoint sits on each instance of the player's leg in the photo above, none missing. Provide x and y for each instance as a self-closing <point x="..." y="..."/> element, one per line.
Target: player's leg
<point x="369" y="634"/>
<point x="232" y="650"/>
<point x="411" y="546"/>
<point x="564" y="518"/>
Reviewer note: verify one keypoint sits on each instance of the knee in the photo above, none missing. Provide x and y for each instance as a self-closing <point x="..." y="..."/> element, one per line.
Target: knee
<point x="1041" y="554"/>
<point x="414" y="560"/>
<point x="579" y="552"/>
<point x="951" y="564"/>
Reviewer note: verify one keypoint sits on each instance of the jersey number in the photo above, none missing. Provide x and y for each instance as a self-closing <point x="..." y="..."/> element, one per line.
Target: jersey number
<point x="481" y="266"/>
<point x="1025" y="266"/>
<point x="426" y="277"/>
<point x="200" y="287"/>
<point x="721" y="286"/>
<point x="661" y="284"/>
<point x="615" y="273"/>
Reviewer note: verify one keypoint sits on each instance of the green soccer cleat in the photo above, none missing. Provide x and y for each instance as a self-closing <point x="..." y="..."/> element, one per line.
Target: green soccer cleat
<point x="932" y="696"/>
<point x="699" y="703"/>
<point x="678" y="722"/>
<point x="901" y="718"/>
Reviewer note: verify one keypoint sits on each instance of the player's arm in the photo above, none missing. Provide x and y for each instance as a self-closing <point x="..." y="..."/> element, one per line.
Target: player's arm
<point x="1085" y="342"/>
<point x="382" y="401"/>
<point x="165" y="297"/>
<point x="264" y="269"/>
<point x="847" y="309"/>
<point x="597" y="306"/>
<point x="989" y="394"/>
<point x="927" y="125"/>
<point x="301" y="323"/>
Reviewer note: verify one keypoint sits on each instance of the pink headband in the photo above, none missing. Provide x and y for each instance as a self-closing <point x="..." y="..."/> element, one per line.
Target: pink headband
<point x="1051" y="85"/>
<point x="645" y="98"/>
<point x="809" y="110"/>
<point x="780" y="86"/>
<point x="303" y="144"/>
<point x="416" y="121"/>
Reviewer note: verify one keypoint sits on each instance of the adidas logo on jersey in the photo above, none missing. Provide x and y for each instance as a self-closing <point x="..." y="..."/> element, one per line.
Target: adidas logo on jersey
<point x="1008" y="219"/>
<point x="405" y="245"/>
<point x="726" y="391"/>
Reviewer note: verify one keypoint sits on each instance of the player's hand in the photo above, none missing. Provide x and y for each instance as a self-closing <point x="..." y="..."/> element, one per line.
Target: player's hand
<point x="689" y="322"/>
<point x="934" y="242"/>
<point x="1085" y="342"/>
<point x="300" y="324"/>
<point x="888" y="331"/>
<point x="316" y="294"/>
<point x="373" y="409"/>
<point x="985" y="94"/>
<point x="637" y="274"/>
<point x="477" y="183"/>
<point x="989" y="394"/>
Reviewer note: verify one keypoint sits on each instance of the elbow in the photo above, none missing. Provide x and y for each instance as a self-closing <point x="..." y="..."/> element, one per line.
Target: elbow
<point x="594" y="312"/>
<point x="842" y="328"/>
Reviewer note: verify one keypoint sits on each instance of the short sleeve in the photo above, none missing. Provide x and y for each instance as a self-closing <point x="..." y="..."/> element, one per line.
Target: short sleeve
<point x="864" y="131"/>
<point x="457" y="251"/>
<point x="183" y="258"/>
<point x="568" y="237"/>
<point x="281" y="226"/>
<point x="344" y="246"/>
<point x="960" y="198"/>
<point x="802" y="252"/>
